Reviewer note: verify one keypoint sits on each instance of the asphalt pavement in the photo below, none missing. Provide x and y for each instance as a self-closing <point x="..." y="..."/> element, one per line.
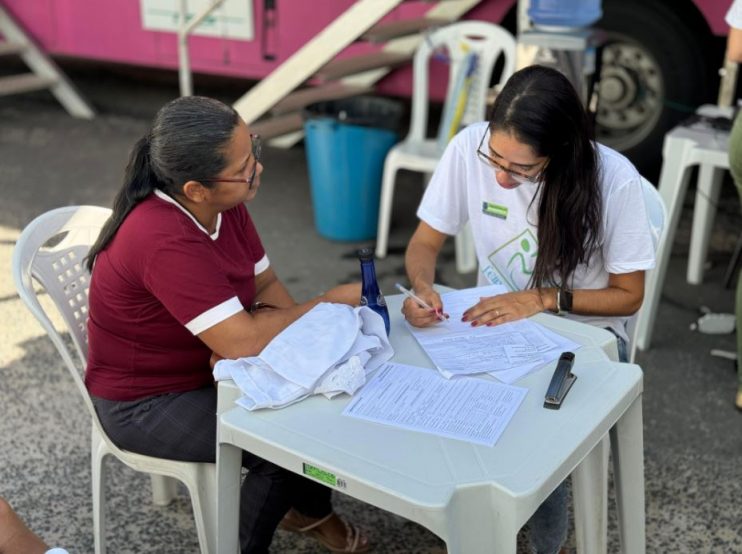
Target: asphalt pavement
<point x="692" y="433"/>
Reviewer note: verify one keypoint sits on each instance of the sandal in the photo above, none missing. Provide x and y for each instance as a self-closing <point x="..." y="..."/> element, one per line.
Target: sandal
<point x="353" y="535"/>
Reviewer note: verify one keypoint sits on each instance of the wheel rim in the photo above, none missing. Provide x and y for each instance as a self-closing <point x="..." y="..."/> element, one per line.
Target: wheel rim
<point x="631" y="93"/>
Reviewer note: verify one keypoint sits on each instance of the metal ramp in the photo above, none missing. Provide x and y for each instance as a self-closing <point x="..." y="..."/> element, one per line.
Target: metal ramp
<point x="273" y="106"/>
<point x="44" y="74"/>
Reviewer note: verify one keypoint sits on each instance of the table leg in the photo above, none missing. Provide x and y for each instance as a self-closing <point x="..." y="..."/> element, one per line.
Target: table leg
<point x="228" y="465"/>
<point x="472" y="541"/>
<point x="590" y="496"/>
<point x="673" y="186"/>
<point x="627" y="446"/>
<point x="704" y="212"/>
<point x="479" y="521"/>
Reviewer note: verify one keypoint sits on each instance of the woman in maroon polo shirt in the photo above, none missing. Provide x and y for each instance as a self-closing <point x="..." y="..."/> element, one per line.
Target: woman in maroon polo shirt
<point x="174" y="272"/>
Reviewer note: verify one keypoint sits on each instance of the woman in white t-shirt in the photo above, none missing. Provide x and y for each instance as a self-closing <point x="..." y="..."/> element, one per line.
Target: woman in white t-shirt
<point x="557" y="218"/>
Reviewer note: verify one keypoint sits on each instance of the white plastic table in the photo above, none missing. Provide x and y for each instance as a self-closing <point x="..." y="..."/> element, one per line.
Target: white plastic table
<point x="683" y="148"/>
<point x="474" y="497"/>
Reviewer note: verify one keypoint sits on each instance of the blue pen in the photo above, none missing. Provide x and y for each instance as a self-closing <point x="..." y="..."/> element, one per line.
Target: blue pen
<point x="420" y="301"/>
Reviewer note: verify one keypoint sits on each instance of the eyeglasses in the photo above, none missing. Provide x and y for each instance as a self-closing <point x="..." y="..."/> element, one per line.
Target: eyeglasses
<point x="257" y="150"/>
<point x="515" y="175"/>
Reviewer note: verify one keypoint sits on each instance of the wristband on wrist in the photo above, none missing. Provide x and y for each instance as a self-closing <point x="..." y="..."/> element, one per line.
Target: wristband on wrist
<point x="564" y="301"/>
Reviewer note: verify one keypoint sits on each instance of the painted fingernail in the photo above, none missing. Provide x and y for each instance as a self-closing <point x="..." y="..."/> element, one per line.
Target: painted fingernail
<point x="474" y="323"/>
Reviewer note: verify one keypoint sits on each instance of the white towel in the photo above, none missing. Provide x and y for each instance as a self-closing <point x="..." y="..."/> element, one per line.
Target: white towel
<point x="329" y="350"/>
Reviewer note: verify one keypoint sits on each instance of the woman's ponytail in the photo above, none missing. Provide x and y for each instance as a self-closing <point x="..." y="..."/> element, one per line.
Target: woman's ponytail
<point x="139" y="182"/>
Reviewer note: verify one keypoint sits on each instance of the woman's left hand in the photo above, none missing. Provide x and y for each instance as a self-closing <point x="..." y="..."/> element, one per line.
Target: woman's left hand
<point x="511" y="306"/>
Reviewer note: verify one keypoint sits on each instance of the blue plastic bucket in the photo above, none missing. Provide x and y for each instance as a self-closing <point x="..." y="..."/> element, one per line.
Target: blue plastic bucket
<point x="568" y="14"/>
<point x="345" y="168"/>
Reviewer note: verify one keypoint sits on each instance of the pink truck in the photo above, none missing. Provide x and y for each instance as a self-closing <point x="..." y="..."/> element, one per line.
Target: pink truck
<point x="659" y="62"/>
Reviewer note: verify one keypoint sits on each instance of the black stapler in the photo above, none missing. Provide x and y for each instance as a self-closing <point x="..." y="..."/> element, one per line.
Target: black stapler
<point x="561" y="381"/>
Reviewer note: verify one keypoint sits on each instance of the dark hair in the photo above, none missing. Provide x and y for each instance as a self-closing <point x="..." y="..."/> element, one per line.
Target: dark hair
<point x="540" y="108"/>
<point x="188" y="138"/>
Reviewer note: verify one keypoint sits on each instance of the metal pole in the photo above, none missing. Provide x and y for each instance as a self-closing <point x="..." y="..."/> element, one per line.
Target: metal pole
<point x="185" y="28"/>
<point x="728" y="84"/>
<point x="523" y="21"/>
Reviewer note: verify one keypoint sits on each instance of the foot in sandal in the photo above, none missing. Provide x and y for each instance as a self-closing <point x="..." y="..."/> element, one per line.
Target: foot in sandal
<point x="333" y="532"/>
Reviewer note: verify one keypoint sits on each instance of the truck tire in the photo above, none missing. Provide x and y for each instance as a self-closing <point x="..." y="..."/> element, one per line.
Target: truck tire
<point x="654" y="72"/>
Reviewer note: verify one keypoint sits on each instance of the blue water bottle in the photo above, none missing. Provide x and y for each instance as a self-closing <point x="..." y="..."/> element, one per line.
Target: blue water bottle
<point x="370" y="293"/>
<point x="564" y="14"/>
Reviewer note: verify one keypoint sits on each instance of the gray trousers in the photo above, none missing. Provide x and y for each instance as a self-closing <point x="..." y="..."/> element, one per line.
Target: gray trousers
<point x="182" y="426"/>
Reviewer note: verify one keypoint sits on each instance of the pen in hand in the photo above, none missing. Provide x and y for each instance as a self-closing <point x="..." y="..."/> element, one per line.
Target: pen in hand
<point x="409" y="294"/>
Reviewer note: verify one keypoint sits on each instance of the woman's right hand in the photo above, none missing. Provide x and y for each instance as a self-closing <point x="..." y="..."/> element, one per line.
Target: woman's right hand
<point x="422" y="317"/>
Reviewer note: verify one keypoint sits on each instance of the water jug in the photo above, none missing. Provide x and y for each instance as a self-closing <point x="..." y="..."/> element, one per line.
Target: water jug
<point x="564" y="14"/>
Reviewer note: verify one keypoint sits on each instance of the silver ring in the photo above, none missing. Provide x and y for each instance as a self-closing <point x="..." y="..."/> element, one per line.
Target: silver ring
<point x="497" y="313"/>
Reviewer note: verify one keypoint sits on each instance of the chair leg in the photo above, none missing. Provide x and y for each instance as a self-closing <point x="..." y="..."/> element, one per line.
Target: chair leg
<point x="707" y="196"/>
<point x="98" y="453"/>
<point x="631" y="325"/>
<point x="164" y="489"/>
<point x="733" y="263"/>
<point x="202" y="489"/>
<point x="633" y="349"/>
<point x="385" y="206"/>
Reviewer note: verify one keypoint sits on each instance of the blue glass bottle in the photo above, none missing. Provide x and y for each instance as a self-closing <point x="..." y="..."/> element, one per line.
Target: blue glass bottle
<point x="370" y="293"/>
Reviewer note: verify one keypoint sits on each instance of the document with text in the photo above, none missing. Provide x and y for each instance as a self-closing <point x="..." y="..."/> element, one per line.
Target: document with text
<point x="507" y="352"/>
<point x="470" y="409"/>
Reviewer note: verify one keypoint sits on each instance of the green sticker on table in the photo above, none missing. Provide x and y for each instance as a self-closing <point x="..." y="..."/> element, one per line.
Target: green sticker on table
<point x="320" y="474"/>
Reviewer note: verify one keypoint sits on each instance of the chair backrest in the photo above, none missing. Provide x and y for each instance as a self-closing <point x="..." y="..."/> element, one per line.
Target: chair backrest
<point x="656" y="211"/>
<point x="488" y="41"/>
<point x="50" y="251"/>
<point x="657" y="214"/>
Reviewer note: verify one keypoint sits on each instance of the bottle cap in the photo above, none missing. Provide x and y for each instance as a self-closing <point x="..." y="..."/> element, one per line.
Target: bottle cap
<point x="365" y="254"/>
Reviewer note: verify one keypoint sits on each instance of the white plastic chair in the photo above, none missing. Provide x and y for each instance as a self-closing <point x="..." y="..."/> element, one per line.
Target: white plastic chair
<point x="419" y="153"/>
<point x="657" y="213"/>
<point x="50" y="251"/>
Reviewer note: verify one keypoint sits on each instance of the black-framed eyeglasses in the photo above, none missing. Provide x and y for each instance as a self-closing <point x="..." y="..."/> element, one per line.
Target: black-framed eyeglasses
<point x="257" y="150"/>
<point x="515" y="175"/>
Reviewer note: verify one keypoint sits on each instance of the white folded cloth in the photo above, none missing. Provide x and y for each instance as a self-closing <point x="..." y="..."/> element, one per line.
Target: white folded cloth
<point x="329" y="350"/>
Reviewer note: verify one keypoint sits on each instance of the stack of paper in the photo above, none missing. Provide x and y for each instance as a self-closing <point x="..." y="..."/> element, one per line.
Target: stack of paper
<point x="507" y="352"/>
<point x="418" y="399"/>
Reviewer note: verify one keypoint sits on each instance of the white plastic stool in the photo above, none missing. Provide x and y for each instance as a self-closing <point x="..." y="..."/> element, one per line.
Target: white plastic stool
<point x="684" y="147"/>
<point x="710" y="175"/>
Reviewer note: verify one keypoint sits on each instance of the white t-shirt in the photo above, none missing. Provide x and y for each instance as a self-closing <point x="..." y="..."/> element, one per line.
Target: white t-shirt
<point x="504" y="221"/>
<point x="734" y="15"/>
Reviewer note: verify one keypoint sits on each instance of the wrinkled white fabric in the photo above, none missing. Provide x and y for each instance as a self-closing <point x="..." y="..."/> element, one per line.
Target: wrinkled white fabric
<point x="329" y="350"/>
